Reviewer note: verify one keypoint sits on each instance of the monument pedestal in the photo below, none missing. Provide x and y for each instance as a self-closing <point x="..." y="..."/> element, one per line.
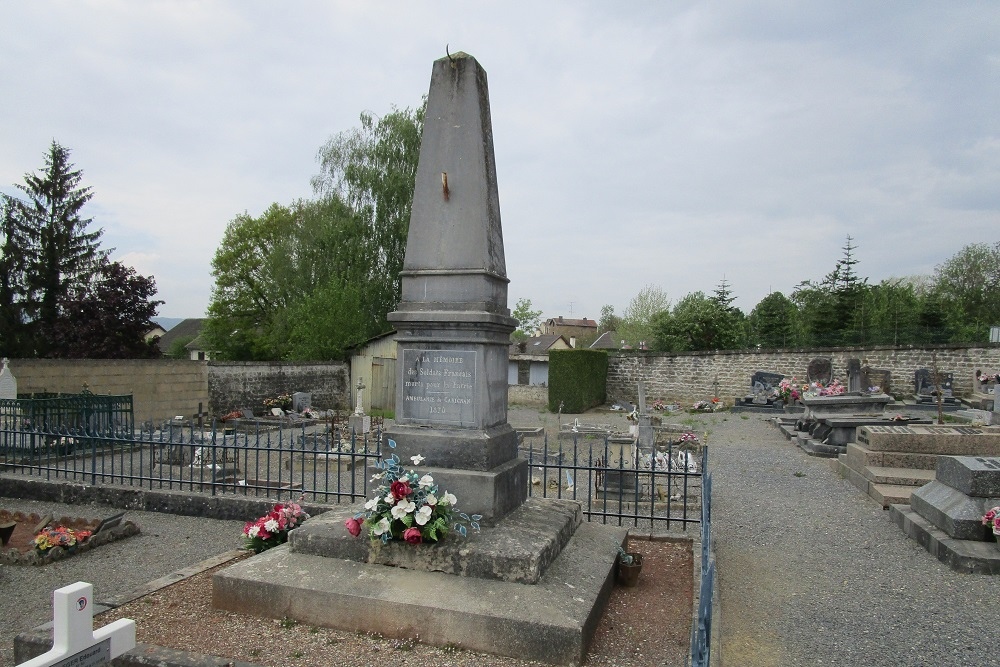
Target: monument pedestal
<point x="534" y="586"/>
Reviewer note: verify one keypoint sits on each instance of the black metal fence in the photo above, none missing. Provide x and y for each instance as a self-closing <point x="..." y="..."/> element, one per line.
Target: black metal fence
<point x="40" y="425"/>
<point x="328" y="464"/>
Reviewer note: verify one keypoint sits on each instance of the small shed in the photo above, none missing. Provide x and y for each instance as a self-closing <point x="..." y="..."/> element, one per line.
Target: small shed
<point x="529" y="360"/>
<point x="374" y="363"/>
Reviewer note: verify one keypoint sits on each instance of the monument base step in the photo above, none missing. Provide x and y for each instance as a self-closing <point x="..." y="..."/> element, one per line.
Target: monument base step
<point x="898" y="476"/>
<point x="813" y="447"/>
<point x="890" y="494"/>
<point x="968" y="556"/>
<point x="551" y="621"/>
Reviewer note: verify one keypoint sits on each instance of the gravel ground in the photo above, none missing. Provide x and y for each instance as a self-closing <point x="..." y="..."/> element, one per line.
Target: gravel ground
<point x="813" y="572"/>
<point x="166" y="544"/>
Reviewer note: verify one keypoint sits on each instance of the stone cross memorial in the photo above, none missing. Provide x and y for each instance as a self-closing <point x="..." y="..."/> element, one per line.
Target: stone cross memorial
<point x="74" y="641"/>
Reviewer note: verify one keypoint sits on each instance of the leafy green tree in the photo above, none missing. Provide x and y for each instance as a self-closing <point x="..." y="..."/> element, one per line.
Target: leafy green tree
<point x="178" y="349"/>
<point x="528" y="320"/>
<point x="107" y="317"/>
<point x="697" y="322"/>
<point x="609" y="321"/>
<point x="636" y="325"/>
<point x="772" y="322"/>
<point x="373" y="170"/>
<point x="970" y="280"/>
<point x="272" y="271"/>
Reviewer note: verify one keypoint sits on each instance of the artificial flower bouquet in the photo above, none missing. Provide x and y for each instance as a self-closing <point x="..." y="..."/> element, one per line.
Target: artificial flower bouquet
<point x="789" y="391"/>
<point x="708" y="406"/>
<point x="992" y="518"/>
<point x="408" y="506"/>
<point x="272" y="529"/>
<point x="59" y="536"/>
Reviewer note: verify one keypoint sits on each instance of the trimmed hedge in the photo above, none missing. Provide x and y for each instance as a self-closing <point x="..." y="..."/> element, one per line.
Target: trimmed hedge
<point x="578" y="379"/>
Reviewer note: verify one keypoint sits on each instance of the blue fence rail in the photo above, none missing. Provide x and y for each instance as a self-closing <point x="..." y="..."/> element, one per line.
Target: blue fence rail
<point x="701" y="630"/>
<point x="331" y="465"/>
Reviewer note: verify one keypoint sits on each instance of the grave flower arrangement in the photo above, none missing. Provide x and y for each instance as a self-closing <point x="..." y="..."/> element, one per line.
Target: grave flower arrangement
<point x="283" y="401"/>
<point x="788" y="391"/>
<point x="992" y="518"/>
<point x="409" y="506"/>
<point x="58" y="536"/>
<point x="835" y="388"/>
<point x="707" y="406"/>
<point x="272" y="529"/>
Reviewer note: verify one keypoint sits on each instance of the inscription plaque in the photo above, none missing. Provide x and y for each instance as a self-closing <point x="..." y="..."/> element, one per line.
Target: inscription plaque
<point x="439" y="386"/>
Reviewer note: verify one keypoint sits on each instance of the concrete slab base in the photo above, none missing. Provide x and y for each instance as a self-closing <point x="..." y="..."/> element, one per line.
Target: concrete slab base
<point x="969" y="556"/>
<point x="813" y="447"/>
<point x="552" y="621"/>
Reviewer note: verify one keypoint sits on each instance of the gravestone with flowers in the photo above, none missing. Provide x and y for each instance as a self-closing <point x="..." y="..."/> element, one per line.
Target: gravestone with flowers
<point x="533" y="581"/>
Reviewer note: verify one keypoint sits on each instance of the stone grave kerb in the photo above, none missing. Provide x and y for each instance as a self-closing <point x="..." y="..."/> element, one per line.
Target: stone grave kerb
<point x="453" y="324"/>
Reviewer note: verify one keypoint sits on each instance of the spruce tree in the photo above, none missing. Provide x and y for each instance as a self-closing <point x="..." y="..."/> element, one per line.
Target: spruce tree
<point x="63" y="253"/>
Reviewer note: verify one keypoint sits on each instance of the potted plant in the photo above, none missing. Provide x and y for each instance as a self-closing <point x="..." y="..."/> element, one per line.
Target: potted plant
<point x="629" y="565"/>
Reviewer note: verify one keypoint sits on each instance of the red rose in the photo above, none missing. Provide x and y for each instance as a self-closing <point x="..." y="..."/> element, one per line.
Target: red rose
<point x="353" y="526"/>
<point x="400" y="490"/>
<point x="412" y="535"/>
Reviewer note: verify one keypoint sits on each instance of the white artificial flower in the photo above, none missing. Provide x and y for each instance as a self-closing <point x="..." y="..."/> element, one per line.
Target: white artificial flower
<point x="371" y="504"/>
<point x="253" y="532"/>
<point x="417" y="460"/>
<point x="381" y="527"/>
<point x="426" y="482"/>
<point x="402" y="508"/>
<point x="449" y="498"/>
<point x="423" y="515"/>
<point x="390" y="499"/>
<point x="431" y="500"/>
<point x="271" y="526"/>
<point x="377" y="476"/>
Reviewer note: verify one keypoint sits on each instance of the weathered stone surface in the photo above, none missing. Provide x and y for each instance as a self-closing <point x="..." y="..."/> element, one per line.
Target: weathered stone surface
<point x="548" y="621"/>
<point x="969" y="556"/>
<point x="951" y="511"/>
<point x="972" y="475"/>
<point x="947" y="440"/>
<point x="825" y="407"/>
<point x="518" y="549"/>
<point x="820" y="369"/>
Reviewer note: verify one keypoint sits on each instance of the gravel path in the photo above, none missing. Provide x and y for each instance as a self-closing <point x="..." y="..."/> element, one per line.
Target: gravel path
<point x="812" y="572"/>
<point x="166" y="544"/>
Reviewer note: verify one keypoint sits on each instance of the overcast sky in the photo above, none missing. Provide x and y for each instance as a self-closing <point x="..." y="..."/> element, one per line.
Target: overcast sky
<point x="666" y="143"/>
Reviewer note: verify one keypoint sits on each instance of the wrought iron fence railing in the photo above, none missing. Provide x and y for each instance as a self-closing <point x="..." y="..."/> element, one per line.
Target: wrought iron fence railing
<point x="328" y="464"/>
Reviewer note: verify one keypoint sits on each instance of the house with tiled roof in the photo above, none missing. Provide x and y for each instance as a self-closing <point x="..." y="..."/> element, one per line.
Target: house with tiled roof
<point x="576" y="332"/>
<point x="188" y="330"/>
<point x="529" y="359"/>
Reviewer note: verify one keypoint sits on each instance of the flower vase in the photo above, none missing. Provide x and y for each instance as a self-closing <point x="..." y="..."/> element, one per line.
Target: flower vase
<point x="628" y="575"/>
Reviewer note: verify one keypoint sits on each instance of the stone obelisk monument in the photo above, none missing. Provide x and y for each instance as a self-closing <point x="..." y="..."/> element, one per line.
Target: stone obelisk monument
<point x="453" y="326"/>
<point x="534" y="582"/>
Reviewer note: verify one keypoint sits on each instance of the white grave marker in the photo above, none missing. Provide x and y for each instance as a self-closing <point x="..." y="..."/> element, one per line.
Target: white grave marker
<point x="74" y="641"/>
<point x="8" y="383"/>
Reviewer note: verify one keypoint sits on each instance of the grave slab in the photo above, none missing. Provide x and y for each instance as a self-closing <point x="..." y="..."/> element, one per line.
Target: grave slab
<point x="951" y="511"/>
<point x="946" y="440"/>
<point x="969" y="556"/>
<point x="975" y="476"/>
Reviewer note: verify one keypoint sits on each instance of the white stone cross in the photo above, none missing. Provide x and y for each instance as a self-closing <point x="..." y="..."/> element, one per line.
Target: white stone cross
<point x="74" y="641"/>
<point x="359" y="410"/>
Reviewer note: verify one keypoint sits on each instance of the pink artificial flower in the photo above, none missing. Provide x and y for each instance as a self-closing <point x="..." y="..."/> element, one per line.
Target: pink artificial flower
<point x="353" y="526"/>
<point x="412" y="536"/>
<point x="989" y="516"/>
<point x="996" y="526"/>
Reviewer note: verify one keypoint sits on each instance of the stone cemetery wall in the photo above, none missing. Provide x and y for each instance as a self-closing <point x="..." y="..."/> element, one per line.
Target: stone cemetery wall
<point x="161" y="388"/>
<point x="689" y="376"/>
<point x="527" y="394"/>
<point x="245" y="384"/>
